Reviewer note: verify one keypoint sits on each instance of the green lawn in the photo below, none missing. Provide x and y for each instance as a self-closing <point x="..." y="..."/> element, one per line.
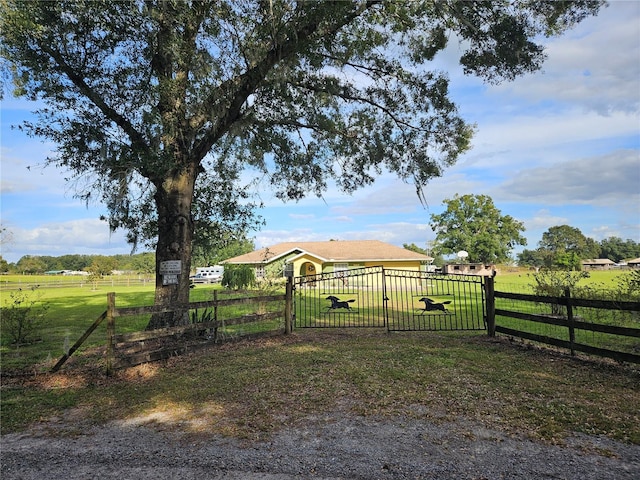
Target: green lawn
<point x="73" y="309"/>
<point x="599" y="281"/>
<point x="520" y="280"/>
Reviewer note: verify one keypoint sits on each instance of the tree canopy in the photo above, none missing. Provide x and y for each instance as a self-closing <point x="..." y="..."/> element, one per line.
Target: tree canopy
<point x="563" y="247"/>
<point x="473" y="223"/>
<point x="616" y="249"/>
<point x="159" y="106"/>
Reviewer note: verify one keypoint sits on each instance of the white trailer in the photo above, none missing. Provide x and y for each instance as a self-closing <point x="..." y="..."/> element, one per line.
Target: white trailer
<point x="211" y="274"/>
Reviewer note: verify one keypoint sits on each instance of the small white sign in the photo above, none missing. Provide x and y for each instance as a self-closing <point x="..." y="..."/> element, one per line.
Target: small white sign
<point x="171" y="267"/>
<point x="170" y="279"/>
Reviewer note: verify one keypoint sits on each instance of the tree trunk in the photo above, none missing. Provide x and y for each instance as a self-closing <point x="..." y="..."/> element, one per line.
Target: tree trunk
<point x="175" y="234"/>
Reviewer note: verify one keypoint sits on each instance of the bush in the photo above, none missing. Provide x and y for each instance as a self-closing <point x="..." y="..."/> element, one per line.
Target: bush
<point x="629" y="285"/>
<point x="238" y="277"/>
<point x="552" y="283"/>
<point x="22" y="315"/>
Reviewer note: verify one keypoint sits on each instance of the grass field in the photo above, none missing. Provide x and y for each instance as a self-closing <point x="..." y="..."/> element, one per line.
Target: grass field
<point x="599" y="283"/>
<point x="604" y="280"/>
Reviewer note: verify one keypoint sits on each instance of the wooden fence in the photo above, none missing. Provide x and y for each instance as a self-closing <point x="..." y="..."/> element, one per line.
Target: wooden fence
<point x="566" y="328"/>
<point x="129" y="349"/>
<point x="567" y="321"/>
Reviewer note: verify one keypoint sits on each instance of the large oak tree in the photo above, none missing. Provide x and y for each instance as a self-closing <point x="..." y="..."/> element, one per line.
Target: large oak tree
<point x="161" y="104"/>
<point x="472" y="223"/>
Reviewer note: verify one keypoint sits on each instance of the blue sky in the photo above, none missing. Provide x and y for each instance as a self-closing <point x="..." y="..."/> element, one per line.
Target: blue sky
<point x="561" y="146"/>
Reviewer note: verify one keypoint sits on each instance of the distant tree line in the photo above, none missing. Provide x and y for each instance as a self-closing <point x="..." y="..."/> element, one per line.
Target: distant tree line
<point x="563" y="247"/>
<point x="101" y="265"/>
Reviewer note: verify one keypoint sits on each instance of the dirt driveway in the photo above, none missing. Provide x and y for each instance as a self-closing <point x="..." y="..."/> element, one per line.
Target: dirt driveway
<point x="328" y="447"/>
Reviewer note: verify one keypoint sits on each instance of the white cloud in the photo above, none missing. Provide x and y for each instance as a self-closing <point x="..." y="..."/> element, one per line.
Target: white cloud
<point x="82" y="236"/>
<point x="300" y="216"/>
<point x="343" y="219"/>
<point x="396" y="233"/>
<point x="23" y="170"/>
<point x="544" y="137"/>
<point x="270" y="237"/>
<point x="607" y="180"/>
<point x="543" y="220"/>
<point x="595" y="66"/>
<point x="622" y="230"/>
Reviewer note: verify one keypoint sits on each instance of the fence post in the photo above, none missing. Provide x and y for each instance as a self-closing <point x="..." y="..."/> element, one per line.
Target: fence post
<point x="288" y="306"/>
<point x="572" y="330"/>
<point x="489" y="290"/>
<point x="215" y="315"/>
<point x="111" y="331"/>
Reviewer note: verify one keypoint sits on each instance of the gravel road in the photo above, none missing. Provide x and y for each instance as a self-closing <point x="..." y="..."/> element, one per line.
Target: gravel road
<point x="329" y="447"/>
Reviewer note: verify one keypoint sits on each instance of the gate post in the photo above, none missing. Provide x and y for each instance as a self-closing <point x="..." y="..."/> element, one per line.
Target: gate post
<point x="489" y="290"/>
<point x="288" y="306"/>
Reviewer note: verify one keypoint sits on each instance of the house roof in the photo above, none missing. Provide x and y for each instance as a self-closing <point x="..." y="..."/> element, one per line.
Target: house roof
<point x="332" y="251"/>
<point x="598" y="261"/>
<point x="633" y="261"/>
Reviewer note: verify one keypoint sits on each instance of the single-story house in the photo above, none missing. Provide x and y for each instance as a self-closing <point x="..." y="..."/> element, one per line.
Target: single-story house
<point x="635" y="263"/>
<point x="311" y="258"/>
<point x="597" y="264"/>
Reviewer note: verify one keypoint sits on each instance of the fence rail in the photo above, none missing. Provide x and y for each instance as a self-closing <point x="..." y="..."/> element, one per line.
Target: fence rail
<point x="613" y="336"/>
<point x="54" y="282"/>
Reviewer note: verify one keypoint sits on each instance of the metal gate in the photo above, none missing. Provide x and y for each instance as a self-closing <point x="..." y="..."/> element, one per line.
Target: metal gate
<point x="399" y="300"/>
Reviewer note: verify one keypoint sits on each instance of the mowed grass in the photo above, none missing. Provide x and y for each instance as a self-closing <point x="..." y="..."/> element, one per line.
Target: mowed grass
<point x="253" y="388"/>
<point x="523" y="280"/>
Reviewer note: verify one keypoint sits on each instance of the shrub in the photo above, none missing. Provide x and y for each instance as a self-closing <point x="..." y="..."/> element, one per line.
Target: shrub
<point x="22" y="315"/>
<point x="552" y="283"/>
<point x="629" y="285"/>
<point x="238" y="277"/>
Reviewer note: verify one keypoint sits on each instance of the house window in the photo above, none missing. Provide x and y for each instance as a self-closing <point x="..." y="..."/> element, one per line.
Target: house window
<point x="260" y="271"/>
<point x="340" y="267"/>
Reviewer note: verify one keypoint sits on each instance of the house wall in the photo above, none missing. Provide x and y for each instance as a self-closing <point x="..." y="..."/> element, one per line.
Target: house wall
<point x="329" y="267"/>
<point x="413" y="265"/>
<point x="312" y="267"/>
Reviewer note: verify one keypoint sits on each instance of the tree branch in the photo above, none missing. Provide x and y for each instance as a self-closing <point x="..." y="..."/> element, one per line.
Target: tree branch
<point x="137" y="139"/>
<point x="238" y="89"/>
<point x="359" y="99"/>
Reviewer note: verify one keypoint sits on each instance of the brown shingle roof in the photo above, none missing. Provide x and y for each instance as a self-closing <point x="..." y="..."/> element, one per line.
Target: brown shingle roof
<point x="338" y="251"/>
